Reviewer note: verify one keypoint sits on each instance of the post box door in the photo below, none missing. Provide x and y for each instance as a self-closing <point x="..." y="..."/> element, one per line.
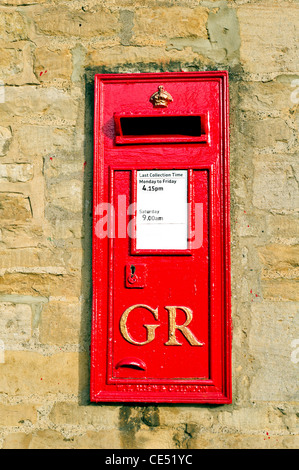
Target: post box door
<point x="161" y="319"/>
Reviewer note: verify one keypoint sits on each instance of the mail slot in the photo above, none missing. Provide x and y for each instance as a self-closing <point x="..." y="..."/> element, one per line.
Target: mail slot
<point x="161" y="328"/>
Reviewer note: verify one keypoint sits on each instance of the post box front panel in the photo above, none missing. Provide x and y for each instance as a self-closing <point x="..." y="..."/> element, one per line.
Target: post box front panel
<point x="161" y="322"/>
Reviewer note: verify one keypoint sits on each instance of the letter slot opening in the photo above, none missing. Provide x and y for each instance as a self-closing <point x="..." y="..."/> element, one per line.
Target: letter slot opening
<point x="142" y="129"/>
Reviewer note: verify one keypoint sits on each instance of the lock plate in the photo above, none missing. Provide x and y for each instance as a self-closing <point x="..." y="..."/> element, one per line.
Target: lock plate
<point x="135" y="276"/>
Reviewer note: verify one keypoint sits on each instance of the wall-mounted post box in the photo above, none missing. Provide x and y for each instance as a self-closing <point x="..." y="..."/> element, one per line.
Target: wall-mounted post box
<point x="161" y="264"/>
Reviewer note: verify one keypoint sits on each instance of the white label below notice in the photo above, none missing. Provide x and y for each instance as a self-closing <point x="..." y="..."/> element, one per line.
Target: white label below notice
<point x="162" y="210"/>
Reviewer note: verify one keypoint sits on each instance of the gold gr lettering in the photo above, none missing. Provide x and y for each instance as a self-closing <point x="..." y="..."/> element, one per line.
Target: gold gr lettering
<point x="173" y="326"/>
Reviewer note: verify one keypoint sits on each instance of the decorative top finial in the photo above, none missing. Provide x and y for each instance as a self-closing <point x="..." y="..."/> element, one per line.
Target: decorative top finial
<point x="161" y="98"/>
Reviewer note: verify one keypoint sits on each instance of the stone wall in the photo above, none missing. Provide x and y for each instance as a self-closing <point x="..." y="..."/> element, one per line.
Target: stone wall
<point x="49" y="53"/>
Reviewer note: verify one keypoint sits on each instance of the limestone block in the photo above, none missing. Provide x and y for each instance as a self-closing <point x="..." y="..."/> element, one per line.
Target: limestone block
<point x="32" y="140"/>
<point x="267" y="97"/>
<point x="169" y="415"/>
<point x="40" y="104"/>
<point x="29" y="373"/>
<point x="275" y="182"/>
<point x="45" y="439"/>
<point x="280" y="289"/>
<point x="71" y="413"/>
<point x="12" y="25"/>
<point x="15" y="323"/>
<point x="32" y="260"/>
<point x="16" y="172"/>
<point x="35" y="283"/>
<point x="139" y="58"/>
<point x="51" y="64"/>
<point x="51" y="439"/>
<point x="283" y="226"/>
<point x="266" y="132"/>
<point x="273" y="327"/>
<point x="5" y="140"/>
<point x="269" y="37"/>
<point x="249" y="420"/>
<point x="66" y="194"/>
<point x="65" y="229"/>
<point x="227" y="440"/>
<point x="172" y="22"/>
<point x="67" y="22"/>
<point x="279" y="258"/>
<point x="14" y="206"/>
<point x="17" y="440"/>
<point x="98" y="440"/>
<point x="151" y="439"/>
<point x="60" y="323"/>
<point x="62" y="165"/>
<point x="10" y="61"/>
<point x="14" y="415"/>
<point x="16" y="62"/>
<point x="249" y="224"/>
<point x="17" y="236"/>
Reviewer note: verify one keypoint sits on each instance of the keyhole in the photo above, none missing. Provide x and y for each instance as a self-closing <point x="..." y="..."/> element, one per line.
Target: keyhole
<point x="133" y="268"/>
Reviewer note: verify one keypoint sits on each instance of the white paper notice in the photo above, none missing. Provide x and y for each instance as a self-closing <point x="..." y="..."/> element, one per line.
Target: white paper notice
<point x="162" y="210"/>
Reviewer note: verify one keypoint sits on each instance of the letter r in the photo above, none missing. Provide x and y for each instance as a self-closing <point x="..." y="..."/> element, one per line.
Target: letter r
<point x="172" y="341"/>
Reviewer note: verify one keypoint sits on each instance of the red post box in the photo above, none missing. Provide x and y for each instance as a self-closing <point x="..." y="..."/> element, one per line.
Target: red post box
<point x="161" y="263"/>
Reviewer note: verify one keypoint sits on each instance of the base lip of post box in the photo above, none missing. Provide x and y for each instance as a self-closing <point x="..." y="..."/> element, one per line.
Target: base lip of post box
<point x="100" y="389"/>
<point x="110" y="397"/>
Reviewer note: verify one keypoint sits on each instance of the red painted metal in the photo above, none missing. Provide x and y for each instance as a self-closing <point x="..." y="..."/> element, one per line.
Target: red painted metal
<point x="161" y="328"/>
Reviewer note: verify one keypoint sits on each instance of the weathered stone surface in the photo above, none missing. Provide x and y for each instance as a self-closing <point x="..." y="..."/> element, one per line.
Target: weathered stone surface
<point x="66" y="194"/>
<point x="13" y="27"/>
<point x="65" y="229"/>
<point x="14" y="415"/>
<point x="275" y="183"/>
<point x="51" y="439"/>
<point x="15" y="323"/>
<point x="60" y="323"/>
<point x="32" y="260"/>
<point x="32" y="140"/>
<point x="16" y="173"/>
<point x="267" y="132"/>
<point x="280" y="259"/>
<point x="268" y="37"/>
<point x="14" y="206"/>
<point x="98" y="22"/>
<point x="137" y="55"/>
<point x="44" y="284"/>
<point x="263" y="440"/>
<point x="17" y="64"/>
<point x="152" y="439"/>
<point x="31" y="373"/>
<point x="41" y="104"/>
<point x="283" y="226"/>
<point x="273" y="327"/>
<point x="71" y="413"/>
<point x="152" y="25"/>
<point x="5" y="140"/>
<point x="51" y="65"/>
<point x="220" y="42"/>
<point x="280" y="289"/>
<point x="268" y="97"/>
<point x="18" y="236"/>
